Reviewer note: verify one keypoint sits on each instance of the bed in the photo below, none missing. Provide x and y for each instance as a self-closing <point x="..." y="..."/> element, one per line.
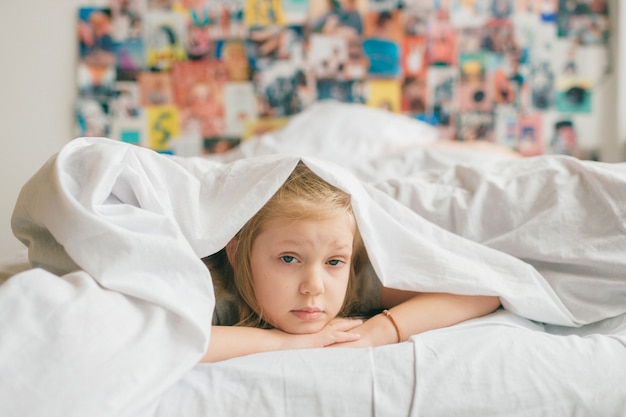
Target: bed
<point x="107" y="311"/>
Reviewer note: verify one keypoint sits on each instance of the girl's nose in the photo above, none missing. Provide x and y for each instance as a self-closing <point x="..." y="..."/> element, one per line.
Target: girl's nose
<point x="312" y="282"/>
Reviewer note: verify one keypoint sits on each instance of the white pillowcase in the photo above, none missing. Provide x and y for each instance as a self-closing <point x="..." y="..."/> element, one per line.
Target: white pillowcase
<point x="345" y="133"/>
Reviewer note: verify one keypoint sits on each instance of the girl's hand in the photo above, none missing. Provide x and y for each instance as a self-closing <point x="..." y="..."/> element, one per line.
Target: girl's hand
<point x="338" y="330"/>
<point x="376" y="331"/>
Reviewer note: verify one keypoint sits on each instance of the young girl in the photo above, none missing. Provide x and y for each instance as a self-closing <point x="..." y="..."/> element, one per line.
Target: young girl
<point x="297" y="271"/>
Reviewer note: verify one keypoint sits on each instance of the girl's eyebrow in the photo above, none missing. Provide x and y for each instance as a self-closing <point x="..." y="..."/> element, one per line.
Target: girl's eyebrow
<point x="289" y="242"/>
<point x="336" y="245"/>
<point x="343" y="246"/>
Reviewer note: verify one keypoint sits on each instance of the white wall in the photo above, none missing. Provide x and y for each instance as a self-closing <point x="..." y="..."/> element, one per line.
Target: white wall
<point x="612" y="107"/>
<point x="37" y="90"/>
<point x="619" y="23"/>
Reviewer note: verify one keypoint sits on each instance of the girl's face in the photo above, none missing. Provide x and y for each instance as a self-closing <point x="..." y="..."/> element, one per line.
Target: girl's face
<point x="300" y="271"/>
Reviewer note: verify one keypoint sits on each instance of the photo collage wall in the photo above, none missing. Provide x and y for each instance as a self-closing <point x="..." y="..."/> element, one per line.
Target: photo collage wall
<point x="199" y="76"/>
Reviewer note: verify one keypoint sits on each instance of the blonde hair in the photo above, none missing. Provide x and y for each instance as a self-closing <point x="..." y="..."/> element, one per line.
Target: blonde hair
<point x="303" y="196"/>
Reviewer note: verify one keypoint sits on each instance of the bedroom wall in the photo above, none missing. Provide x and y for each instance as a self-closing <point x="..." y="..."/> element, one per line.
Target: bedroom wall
<point x="619" y="22"/>
<point x="38" y="46"/>
<point x="38" y="91"/>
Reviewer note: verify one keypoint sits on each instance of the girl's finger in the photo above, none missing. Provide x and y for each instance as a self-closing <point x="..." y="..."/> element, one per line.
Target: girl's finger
<point x="345" y="324"/>
<point x="341" y="337"/>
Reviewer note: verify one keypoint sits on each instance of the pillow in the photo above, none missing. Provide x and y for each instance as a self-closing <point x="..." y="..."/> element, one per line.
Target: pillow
<point x="344" y="133"/>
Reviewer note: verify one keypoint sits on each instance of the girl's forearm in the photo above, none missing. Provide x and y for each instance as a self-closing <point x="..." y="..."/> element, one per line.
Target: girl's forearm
<point x="232" y="341"/>
<point x="428" y="311"/>
<point x="415" y="313"/>
<point x="229" y="342"/>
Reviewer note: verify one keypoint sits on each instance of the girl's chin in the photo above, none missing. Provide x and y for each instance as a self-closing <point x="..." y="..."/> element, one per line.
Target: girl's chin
<point x="303" y="328"/>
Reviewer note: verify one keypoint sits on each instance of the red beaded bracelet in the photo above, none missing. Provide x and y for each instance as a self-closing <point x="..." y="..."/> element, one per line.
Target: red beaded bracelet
<point x="387" y="314"/>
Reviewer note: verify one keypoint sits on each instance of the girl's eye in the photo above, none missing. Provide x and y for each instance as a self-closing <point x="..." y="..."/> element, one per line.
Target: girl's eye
<point x="287" y="259"/>
<point x="334" y="262"/>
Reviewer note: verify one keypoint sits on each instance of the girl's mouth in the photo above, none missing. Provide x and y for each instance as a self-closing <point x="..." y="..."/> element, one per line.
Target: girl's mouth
<point x="308" y="313"/>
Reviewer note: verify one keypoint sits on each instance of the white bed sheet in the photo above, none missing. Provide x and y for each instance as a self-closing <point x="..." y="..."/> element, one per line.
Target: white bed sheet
<point x="116" y="324"/>
<point x="499" y="365"/>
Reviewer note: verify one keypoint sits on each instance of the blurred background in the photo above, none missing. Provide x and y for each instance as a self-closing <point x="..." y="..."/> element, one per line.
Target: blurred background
<point x="438" y="61"/>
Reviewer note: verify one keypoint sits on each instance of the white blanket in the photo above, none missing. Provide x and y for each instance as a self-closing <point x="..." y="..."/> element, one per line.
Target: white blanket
<point x="120" y="309"/>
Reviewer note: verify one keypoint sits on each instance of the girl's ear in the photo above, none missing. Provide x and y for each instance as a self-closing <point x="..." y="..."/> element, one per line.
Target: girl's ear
<point x="231" y="251"/>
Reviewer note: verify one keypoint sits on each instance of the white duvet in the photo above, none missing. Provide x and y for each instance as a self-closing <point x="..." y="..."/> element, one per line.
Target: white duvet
<point x="116" y="312"/>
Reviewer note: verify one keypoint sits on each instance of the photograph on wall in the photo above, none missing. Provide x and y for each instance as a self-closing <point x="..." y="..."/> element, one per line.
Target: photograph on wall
<point x="96" y="60"/>
<point x="327" y="56"/>
<point x="383" y="24"/>
<point x="264" y="13"/>
<point x="413" y="99"/>
<point x="441" y="44"/>
<point x="441" y="95"/>
<point x="414" y="56"/>
<point x="546" y="10"/>
<point x="126" y="103"/>
<point x="530" y="140"/>
<point x="262" y="126"/>
<point x="160" y="4"/>
<point x="473" y="91"/>
<point x="585" y="21"/>
<point x="588" y="30"/>
<point x="224" y="19"/>
<point x="127" y="17"/>
<point x="473" y="67"/>
<point x="283" y="89"/>
<point x="342" y="18"/>
<point x="95" y="81"/>
<point x="542" y="85"/>
<point x="415" y="17"/>
<point x="165" y="38"/>
<point x="95" y="35"/>
<point x="564" y="140"/>
<point x="474" y="97"/>
<point x="198" y="91"/>
<point x="268" y="44"/>
<point x="469" y="39"/>
<point x="130" y="58"/>
<point x="155" y="88"/>
<point x="501" y="9"/>
<point x="475" y="126"/>
<point x="441" y="9"/>
<point x="384" y="5"/>
<point x="163" y="127"/>
<point x="383" y="57"/>
<point x="212" y="146"/>
<point x="234" y="54"/>
<point x="508" y="80"/>
<point x="573" y="95"/>
<point x="129" y="130"/>
<point x="499" y="36"/>
<point x="469" y="13"/>
<point x="505" y="129"/>
<point x="240" y="107"/>
<point x="384" y="94"/>
<point x="382" y="43"/>
<point x="357" y="64"/>
<point x="350" y="91"/>
<point x="92" y="118"/>
<point x="295" y="11"/>
<point x="199" y="44"/>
